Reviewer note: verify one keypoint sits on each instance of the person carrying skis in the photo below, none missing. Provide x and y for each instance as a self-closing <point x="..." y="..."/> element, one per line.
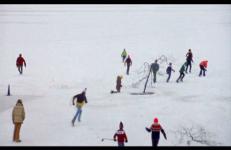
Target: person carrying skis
<point x="182" y="70"/>
<point x="81" y="99"/>
<point x="155" y="67"/>
<point x="128" y="61"/>
<point x="19" y="63"/>
<point x="169" y="71"/>
<point x="203" y="65"/>
<point x="121" y="136"/>
<point x="156" y="128"/>
<point x="18" y="116"/>
<point x="124" y="55"/>
<point x="189" y="60"/>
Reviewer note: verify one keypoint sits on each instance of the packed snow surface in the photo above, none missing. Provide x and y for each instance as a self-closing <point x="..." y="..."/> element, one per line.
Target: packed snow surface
<point x="70" y="47"/>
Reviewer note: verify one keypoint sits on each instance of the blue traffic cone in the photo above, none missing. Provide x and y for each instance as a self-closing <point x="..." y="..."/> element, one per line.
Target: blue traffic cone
<point x="8" y="93"/>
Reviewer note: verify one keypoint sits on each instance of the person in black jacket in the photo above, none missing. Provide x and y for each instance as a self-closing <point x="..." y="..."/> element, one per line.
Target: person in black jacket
<point x="155" y="67"/>
<point x="189" y="60"/>
<point x="156" y="128"/>
<point x="169" y="71"/>
<point x="81" y="99"/>
<point x="128" y="61"/>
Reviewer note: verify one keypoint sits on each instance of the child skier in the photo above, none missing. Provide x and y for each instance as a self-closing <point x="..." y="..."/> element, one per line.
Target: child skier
<point x="182" y="70"/>
<point x="81" y="99"/>
<point x="169" y="71"/>
<point x="203" y="65"/>
<point x="19" y="63"/>
<point x="121" y="136"/>
<point x="128" y="61"/>
<point x="155" y="129"/>
<point x="124" y="55"/>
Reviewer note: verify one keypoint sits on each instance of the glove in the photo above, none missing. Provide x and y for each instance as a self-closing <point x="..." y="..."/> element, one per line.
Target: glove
<point x="73" y="104"/>
<point x="126" y="141"/>
<point x="147" y="129"/>
<point x="114" y="139"/>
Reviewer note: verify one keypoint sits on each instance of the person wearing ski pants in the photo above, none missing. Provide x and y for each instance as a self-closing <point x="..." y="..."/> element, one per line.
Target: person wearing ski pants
<point x="121" y="136"/>
<point x="81" y="99"/>
<point x="156" y="128"/>
<point x="189" y="60"/>
<point x="19" y="63"/>
<point x="169" y="71"/>
<point x="182" y="70"/>
<point x="128" y="61"/>
<point x="124" y="55"/>
<point x="155" y="67"/>
<point x="203" y="65"/>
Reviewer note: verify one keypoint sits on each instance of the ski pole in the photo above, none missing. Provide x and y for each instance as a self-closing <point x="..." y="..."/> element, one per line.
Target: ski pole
<point x="107" y="139"/>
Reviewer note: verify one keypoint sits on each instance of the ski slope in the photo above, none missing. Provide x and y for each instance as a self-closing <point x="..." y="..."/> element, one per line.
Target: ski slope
<point x="70" y="47"/>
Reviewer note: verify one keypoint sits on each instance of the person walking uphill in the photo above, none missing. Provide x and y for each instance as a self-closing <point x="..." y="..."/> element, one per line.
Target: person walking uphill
<point x="156" y="128"/>
<point x="128" y="61"/>
<point x="121" y="136"/>
<point x="189" y="60"/>
<point x="19" y="63"/>
<point x="81" y="99"/>
<point x="124" y="55"/>
<point x="203" y="65"/>
<point x="18" y="116"/>
<point x="169" y="71"/>
<point x="155" y="67"/>
<point x="182" y="70"/>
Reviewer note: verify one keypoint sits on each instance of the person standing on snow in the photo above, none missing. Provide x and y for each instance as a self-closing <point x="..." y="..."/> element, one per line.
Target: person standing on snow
<point x="121" y="136"/>
<point x="155" y="67"/>
<point x="169" y="71"/>
<point x="203" y="65"/>
<point x="81" y="99"/>
<point x="124" y="55"/>
<point x="18" y="116"/>
<point x="19" y="63"/>
<point x="189" y="61"/>
<point x="156" y="128"/>
<point x="128" y="61"/>
<point x="182" y="70"/>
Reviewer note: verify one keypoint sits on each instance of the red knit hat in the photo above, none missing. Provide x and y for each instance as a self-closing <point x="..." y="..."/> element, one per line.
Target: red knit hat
<point x="155" y="120"/>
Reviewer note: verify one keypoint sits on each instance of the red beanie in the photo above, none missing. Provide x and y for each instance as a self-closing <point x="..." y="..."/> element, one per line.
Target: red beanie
<point x="155" y="120"/>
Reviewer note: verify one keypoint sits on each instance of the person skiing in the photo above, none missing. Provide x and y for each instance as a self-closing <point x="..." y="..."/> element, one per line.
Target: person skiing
<point x="121" y="136"/>
<point x="128" y="61"/>
<point x="155" y="67"/>
<point x="203" y="65"/>
<point x="81" y="99"/>
<point x="156" y="128"/>
<point x="169" y="71"/>
<point x="182" y="70"/>
<point x="189" y="60"/>
<point x="118" y="84"/>
<point x="124" y="55"/>
<point x="19" y="63"/>
<point x="18" y="116"/>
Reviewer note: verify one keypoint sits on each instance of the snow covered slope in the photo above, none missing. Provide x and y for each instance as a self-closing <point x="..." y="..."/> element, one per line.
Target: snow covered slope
<point x="70" y="47"/>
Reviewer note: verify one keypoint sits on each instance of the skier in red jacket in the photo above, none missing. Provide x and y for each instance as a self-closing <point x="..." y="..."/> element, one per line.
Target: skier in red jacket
<point x="19" y="63"/>
<point x="156" y="128"/>
<point x="121" y="136"/>
<point x="203" y="65"/>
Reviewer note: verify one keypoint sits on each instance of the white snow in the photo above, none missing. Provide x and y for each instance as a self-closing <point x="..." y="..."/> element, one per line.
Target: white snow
<point x="70" y="47"/>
